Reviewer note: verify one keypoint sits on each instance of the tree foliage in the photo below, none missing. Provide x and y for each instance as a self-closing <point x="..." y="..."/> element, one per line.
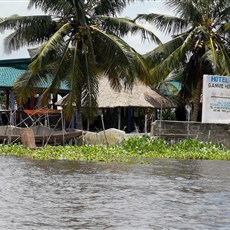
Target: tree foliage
<point x="77" y="41"/>
<point x="200" y="45"/>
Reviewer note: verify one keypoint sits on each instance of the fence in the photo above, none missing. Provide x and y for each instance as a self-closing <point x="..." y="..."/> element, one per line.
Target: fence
<point x="177" y="130"/>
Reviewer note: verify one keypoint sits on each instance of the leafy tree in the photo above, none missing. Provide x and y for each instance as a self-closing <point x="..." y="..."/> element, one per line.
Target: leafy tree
<point x="200" y="45"/>
<point x="79" y="40"/>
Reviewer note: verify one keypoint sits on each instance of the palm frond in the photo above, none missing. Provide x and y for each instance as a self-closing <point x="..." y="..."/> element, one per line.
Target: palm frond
<point x="25" y="86"/>
<point x="76" y="79"/>
<point x="117" y="60"/>
<point x="57" y="7"/>
<point x="26" y="22"/>
<point x="57" y="74"/>
<point x="227" y="27"/>
<point x="165" y="23"/>
<point x="28" y="30"/>
<point x="55" y="45"/>
<point x="109" y="8"/>
<point x="172" y="61"/>
<point x="89" y="96"/>
<point x="213" y="46"/>
<point x="224" y="57"/>
<point x="188" y="10"/>
<point x="124" y="26"/>
<point x="221" y="10"/>
<point x="157" y="55"/>
<point x="42" y="71"/>
<point x="222" y="61"/>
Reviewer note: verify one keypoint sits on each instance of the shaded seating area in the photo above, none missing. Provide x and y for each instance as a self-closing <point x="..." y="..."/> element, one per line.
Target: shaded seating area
<point x="131" y="110"/>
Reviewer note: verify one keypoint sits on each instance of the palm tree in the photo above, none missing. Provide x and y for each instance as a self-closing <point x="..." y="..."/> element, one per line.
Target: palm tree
<point x="200" y="45"/>
<point x="79" y="41"/>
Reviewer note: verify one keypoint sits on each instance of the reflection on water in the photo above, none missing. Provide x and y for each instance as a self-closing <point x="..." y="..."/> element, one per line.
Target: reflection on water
<point x="166" y="194"/>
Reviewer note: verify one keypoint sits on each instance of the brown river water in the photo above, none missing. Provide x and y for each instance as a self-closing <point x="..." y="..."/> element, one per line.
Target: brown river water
<point x="164" y="194"/>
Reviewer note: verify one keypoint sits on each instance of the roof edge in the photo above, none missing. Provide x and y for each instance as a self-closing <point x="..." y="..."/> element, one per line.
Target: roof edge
<point x="10" y="62"/>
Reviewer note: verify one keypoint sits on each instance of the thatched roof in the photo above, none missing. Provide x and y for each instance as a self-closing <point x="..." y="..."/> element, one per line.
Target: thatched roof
<point x="139" y="96"/>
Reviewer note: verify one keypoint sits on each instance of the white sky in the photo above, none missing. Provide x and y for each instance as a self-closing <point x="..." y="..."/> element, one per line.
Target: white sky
<point x="10" y="7"/>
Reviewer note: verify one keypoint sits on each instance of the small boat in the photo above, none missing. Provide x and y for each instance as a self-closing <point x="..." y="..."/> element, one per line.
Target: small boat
<point x="43" y="135"/>
<point x="58" y="137"/>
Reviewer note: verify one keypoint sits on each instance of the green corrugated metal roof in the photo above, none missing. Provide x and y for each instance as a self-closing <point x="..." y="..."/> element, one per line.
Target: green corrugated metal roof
<point x="8" y="75"/>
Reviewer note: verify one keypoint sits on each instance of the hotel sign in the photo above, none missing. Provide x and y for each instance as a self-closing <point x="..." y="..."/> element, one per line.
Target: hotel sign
<point x="216" y="99"/>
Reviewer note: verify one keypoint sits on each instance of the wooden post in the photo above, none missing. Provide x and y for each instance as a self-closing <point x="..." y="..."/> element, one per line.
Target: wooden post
<point x="146" y="124"/>
<point x="7" y="99"/>
<point x="27" y="138"/>
<point x="103" y="126"/>
<point x="119" y="118"/>
<point x="129" y="119"/>
<point x="12" y="118"/>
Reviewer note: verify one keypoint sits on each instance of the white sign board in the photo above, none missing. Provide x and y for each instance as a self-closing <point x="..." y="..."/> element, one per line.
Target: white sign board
<point x="216" y="99"/>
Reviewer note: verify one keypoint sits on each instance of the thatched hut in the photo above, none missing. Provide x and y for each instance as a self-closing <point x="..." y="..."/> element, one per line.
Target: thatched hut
<point x="133" y="106"/>
<point x="129" y="108"/>
<point x="139" y="95"/>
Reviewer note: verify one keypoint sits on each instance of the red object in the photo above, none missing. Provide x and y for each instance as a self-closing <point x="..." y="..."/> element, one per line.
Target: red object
<point x="41" y="111"/>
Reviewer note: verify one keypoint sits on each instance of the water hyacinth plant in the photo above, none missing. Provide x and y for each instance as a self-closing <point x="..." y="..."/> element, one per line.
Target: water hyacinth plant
<point x="137" y="149"/>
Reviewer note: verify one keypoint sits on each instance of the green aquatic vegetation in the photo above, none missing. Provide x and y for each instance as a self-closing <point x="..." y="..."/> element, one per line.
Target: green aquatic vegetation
<point x="144" y="145"/>
<point x="193" y="149"/>
<point x="137" y="149"/>
<point x="12" y="150"/>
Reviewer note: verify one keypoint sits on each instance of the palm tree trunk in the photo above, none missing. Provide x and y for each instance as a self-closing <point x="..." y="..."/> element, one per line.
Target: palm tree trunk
<point x="196" y="101"/>
<point x="79" y="114"/>
<point x="79" y="119"/>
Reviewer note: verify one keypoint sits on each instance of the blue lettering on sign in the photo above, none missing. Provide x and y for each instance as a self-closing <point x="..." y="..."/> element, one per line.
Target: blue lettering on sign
<point x="221" y="79"/>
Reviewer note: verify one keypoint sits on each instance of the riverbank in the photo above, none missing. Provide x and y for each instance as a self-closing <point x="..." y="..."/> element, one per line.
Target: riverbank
<point x="138" y="149"/>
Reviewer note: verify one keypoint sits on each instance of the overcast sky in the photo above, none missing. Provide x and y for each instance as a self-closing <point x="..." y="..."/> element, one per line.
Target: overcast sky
<point x="10" y="7"/>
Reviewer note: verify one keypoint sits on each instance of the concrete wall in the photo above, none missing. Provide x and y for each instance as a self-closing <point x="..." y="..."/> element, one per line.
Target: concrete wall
<point x="177" y="130"/>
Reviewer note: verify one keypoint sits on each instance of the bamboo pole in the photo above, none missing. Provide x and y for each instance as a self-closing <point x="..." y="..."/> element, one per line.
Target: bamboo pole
<point x="103" y="126"/>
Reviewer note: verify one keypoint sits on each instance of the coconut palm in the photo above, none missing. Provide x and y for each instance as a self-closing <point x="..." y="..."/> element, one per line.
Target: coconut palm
<point x="79" y="40"/>
<point x="200" y="45"/>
